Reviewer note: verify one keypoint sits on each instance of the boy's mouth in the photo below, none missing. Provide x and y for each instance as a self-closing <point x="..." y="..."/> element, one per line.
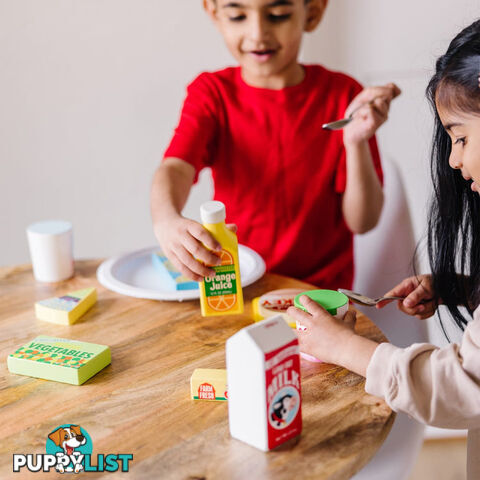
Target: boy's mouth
<point x="262" y="55"/>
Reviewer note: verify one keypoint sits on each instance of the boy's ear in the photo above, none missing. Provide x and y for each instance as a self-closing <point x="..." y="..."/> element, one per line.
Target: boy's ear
<point x="211" y="8"/>
<point x="315" y="11"/>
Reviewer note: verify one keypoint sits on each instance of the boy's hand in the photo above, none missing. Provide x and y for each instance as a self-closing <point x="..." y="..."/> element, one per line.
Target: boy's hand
<point x="419" y="296"/>
<point x="184" y="242"/>
<point x="373" y="104"/>
<point x="324" y="334"/>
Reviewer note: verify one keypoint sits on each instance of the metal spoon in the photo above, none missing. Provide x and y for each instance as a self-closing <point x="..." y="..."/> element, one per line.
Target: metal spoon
<point x="363" y="299"/>
<point x="339" y="124"/>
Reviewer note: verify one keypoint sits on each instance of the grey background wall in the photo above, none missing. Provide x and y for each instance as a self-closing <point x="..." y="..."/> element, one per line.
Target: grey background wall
<point x="90" y="91"/>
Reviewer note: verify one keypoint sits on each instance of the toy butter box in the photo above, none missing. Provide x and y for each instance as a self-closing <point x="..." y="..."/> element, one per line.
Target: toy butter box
<point x="209" y="384"/>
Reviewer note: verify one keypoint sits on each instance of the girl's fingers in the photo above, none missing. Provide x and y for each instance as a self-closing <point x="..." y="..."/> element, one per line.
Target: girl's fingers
<point x="350" y="319"/>
<point x="299" y="315"/>
<point x="415" y="297"/>
<point x="312" y="307"/>
<point x="422" y="310"/>
<point x="232" y="226"/>
<point x="383" y="303"/>
<point x="403" y="288"/>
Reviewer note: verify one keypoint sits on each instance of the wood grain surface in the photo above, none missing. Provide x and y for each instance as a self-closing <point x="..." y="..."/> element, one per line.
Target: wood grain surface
<point x="140" y="404"/>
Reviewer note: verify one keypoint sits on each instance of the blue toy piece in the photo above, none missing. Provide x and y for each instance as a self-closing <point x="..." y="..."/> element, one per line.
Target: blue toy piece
<point x="172" y="279"/>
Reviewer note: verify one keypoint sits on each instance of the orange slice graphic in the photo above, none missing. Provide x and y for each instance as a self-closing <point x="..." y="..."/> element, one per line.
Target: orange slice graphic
<point x="223" y="303"/>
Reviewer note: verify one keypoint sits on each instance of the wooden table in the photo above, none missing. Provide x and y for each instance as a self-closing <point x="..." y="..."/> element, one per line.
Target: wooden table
<point x="140" y="404"/>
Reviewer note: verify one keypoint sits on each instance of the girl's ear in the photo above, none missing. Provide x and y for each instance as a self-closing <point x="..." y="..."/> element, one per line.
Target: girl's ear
<point x="211" y="8"/>
<point x="315" y="11"/>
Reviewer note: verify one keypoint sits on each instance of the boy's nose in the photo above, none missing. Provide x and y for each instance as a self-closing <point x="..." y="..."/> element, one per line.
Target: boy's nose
<point x="258" y="29"/>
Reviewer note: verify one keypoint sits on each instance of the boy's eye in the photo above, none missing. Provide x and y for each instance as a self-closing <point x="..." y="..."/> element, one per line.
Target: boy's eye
<point x="279" y="18"/>
<point x="237" y="18"/>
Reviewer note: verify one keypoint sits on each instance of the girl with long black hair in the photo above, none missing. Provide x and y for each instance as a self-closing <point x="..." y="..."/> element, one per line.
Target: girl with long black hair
<point x="437" y="386"/>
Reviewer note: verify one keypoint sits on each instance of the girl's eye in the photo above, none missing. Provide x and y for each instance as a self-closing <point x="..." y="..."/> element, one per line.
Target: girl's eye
<point x="279" y="18"/>
<point x="460" y="140"/>
<point x="237" y="18"/>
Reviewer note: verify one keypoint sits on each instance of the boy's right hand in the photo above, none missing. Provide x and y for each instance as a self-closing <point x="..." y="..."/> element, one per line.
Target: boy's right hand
<point x="419" y="298"/>
<point x="184" y="243"/>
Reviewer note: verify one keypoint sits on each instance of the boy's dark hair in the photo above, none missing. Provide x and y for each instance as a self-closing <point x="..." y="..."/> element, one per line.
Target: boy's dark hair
<point x="454" y="220"/>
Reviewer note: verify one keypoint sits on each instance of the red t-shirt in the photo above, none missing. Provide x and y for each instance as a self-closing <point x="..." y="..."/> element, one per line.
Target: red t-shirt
<point x="279" y="174"/>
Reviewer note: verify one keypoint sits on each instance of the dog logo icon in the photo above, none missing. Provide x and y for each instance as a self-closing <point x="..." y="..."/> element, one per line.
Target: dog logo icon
<point x="69" y="449"/>
<point x="70" y="442"/>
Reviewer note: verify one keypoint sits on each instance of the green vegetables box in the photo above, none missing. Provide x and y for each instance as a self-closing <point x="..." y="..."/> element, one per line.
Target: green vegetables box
<point x="59" y="359"/>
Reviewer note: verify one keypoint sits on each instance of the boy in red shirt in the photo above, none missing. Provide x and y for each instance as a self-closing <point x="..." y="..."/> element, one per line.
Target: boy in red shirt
<point x="297" y="193"/>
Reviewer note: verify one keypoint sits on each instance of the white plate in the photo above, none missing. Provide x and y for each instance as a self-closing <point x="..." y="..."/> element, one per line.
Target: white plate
<point x="134" y="275"/>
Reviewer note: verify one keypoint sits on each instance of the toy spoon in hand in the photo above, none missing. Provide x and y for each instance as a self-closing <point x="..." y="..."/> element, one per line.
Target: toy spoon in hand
<point x="364" y="300"/>
<point x="339" y="124"/>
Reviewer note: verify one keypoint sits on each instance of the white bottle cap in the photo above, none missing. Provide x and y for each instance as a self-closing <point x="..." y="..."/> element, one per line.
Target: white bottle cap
<point x="212" y="212"/>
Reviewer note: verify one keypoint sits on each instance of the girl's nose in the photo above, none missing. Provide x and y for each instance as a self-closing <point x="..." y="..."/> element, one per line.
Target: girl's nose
<point x="455" y="161"/>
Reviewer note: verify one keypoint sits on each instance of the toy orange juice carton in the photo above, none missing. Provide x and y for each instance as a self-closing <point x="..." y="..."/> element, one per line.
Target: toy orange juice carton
<point x="263" y="375"/>
<point x="221" y="295"/>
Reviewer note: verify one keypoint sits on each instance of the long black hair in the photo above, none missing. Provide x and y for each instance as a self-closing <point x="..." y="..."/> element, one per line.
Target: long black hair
<point x="454" y="220"/>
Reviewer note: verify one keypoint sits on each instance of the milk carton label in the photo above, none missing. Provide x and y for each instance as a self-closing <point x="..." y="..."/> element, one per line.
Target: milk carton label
<point x="282" y="375"/>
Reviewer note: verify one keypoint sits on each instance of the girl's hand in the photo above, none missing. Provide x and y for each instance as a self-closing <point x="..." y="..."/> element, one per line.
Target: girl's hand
<point x="419" y="296"/>
<point x="368" y="118"/>
<point x="323" y="333"/>
<point x="189" y="246"/>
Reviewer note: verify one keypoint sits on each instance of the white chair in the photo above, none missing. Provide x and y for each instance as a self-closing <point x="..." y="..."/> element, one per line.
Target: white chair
<point x="383" y="257"/>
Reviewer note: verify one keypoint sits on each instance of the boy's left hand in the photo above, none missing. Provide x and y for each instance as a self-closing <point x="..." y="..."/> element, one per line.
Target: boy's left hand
<point x="324" y="333"/>
<point x="368" y="118"/>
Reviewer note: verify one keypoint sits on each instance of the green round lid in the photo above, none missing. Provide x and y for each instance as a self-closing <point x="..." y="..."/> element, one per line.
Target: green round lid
<point x="330" y="300"/>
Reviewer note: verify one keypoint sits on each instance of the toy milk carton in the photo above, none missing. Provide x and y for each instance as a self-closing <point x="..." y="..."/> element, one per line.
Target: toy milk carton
<point x="263" y="374"/>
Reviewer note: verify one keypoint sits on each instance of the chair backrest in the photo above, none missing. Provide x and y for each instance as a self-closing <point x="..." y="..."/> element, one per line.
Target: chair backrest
<point x="384" y="257"/>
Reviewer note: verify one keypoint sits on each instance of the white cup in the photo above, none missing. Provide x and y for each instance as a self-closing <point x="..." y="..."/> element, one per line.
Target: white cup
<point x="51" y="250"/>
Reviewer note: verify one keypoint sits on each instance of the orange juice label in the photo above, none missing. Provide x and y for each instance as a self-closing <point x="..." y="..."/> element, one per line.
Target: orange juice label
<point x="221" y="290"/>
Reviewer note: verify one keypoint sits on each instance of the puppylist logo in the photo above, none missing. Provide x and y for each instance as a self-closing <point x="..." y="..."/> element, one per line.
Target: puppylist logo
<point x="69" y="450"/>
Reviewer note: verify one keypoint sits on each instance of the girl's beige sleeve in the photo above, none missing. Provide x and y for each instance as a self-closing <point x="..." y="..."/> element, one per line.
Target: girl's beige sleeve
<point x="436" y="386"/>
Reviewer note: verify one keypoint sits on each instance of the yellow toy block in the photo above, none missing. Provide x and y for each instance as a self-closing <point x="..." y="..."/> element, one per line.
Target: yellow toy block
<point x="209" y="384"/>
<point x="67" y="309"/>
